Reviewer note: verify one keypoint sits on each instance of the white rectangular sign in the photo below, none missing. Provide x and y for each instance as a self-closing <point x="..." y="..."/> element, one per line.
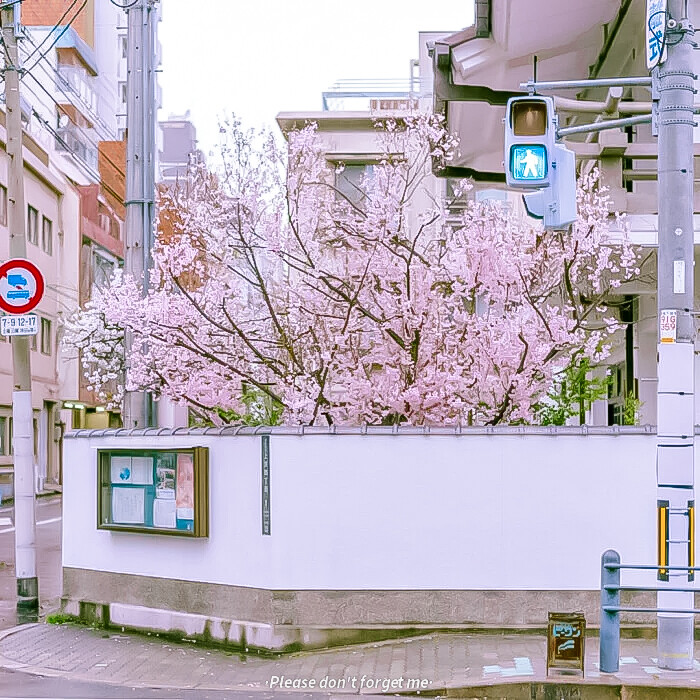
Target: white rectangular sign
<point x="667" y="326"/>
<point x="656" y="32"/>
<point x="678" y="277"/>
<point x="25" y="324"/>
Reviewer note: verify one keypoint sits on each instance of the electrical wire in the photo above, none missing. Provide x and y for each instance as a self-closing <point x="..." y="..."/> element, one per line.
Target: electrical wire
<point x="86" y="166"/>
<point x="79" y="128"/>
<point x="61" y="33"/>
<point x="60" y="107"/>
<point x="55" y="27"/>
<point x="58" y="80"/>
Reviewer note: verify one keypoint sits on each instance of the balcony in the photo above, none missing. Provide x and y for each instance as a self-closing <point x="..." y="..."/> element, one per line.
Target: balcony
<point x="372" y="94"/>
<point x="96" y="233"/>
<point x="75" y="80"/>
<point x="81" y="142"/>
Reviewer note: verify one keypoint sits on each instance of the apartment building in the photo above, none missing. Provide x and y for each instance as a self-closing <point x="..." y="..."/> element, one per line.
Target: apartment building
<point x="468" y="75"/>
<point x="74" y="189"/>
<point x="179" y="150"/>
<point x="477" y="69"/>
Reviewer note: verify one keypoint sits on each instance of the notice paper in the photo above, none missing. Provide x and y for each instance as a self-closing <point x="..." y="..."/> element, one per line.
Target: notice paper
<point x="164" y="513"/>
<point x="120" y="470"/>
<point x="128" y="506"/>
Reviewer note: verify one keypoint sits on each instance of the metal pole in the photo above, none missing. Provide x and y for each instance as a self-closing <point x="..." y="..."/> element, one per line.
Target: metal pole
<point x="22" y="415"/>
<point x="675" y="392"/>
<point x="584" y="84"/>
<point x="609" y="621"/>
<point x="140" y="175"/>
<point x="603" y="125"/>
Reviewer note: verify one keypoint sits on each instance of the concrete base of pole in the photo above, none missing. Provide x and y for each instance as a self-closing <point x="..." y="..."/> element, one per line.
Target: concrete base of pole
<point x="27" y="600"/>
<point x="675" y="642"/>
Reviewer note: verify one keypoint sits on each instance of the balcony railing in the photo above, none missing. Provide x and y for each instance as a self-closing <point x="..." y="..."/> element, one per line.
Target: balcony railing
<point x="79" y="83"/>
<point x="73" y="140"/>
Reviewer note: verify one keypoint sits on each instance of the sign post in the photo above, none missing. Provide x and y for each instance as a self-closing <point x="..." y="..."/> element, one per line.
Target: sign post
<point x="21" y="290"/>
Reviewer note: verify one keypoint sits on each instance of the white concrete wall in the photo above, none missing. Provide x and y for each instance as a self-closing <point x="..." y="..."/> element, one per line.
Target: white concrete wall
<point x="389" y="512"/>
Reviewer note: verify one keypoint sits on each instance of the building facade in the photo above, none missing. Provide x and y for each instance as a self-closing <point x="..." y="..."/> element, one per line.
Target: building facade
<point x="179" y="152"/>
<point x="468" y="77"/>
<point x="74" y="190"/>
<point x="476" y="70"/>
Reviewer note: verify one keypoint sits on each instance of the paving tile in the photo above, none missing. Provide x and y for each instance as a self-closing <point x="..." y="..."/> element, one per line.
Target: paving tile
<point x="444" y="660"/>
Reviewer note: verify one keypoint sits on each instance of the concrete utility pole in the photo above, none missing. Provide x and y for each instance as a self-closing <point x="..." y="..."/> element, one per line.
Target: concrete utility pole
<point x="22" y="416"/>
<point x="675" y="81"/>
<point x="140" y="173"/>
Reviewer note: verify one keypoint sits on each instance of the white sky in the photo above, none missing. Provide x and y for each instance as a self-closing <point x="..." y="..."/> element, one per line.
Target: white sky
<point x="260" y="57"/>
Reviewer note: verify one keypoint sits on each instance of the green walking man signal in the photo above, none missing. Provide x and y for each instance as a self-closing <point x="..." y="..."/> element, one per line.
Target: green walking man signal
<point x="535" y="161"/>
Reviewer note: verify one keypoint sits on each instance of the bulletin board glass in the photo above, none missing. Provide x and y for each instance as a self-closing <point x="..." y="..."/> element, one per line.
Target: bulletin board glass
<point x="155" y="491"/>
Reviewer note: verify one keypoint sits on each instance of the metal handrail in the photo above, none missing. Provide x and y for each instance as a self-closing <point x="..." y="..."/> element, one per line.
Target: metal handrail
<point x="651" y="589"/>
<point x="610" y="607"/>
<point x="651" y="567"/>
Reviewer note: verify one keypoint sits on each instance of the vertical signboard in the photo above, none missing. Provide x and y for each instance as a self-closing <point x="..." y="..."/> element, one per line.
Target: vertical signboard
<point x="566" y="641"/>
<point x="655" y="31"/>
<point x="667" y="326"/>
<point x="265" y="484"/>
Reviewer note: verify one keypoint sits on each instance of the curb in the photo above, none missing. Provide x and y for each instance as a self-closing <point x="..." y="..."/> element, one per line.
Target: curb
<point x="604" y="687"/>
<point x="8" y="502"/>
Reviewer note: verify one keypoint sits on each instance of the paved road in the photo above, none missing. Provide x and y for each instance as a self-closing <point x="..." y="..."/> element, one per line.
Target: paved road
<point x="48" y="515"/>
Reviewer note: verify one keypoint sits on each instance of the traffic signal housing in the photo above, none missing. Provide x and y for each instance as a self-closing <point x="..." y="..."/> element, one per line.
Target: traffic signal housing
<point x="535" y="161"/>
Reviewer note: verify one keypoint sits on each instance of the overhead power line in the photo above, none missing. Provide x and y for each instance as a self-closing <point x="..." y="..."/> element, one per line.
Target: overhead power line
<point x="60" y="34"/>
<point x="55" y="76"/>
<point x="55" y="27"/>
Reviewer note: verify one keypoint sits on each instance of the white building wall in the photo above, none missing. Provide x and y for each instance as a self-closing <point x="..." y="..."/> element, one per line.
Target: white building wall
<point x="353" y="512"/>
<point x="108" y="18"/>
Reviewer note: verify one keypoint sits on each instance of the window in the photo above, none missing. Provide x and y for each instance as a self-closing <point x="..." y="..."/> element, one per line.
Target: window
<point x="350" y="181"/>
<point x="122" y="93"/>
<point x="32" y="225"/>
<point x="3" y="205"/>
<point x="45" y="336"/>
<point x="123" y="42"/>
<point x="102" y="270"/>
<point x="46" y="235"/>
<point x="3" y="438"/>
<point x="161" y="491"/>
<point x="33" y="342"/>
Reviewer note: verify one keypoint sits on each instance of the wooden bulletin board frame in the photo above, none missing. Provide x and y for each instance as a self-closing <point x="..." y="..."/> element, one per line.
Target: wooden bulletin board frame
<point x="148" y="476"/>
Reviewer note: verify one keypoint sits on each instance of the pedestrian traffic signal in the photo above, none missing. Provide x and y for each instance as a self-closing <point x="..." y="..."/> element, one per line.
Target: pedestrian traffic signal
<point x="534" y="160"/>
<point x="531" y="126"/>
<point x="528" y="163"/>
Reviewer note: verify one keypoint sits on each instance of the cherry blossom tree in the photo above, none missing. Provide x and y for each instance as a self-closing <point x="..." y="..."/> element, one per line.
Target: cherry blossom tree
<point x="271" y="287"/>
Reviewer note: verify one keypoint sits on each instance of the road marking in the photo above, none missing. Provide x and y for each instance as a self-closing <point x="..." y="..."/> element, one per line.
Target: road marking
<point x="523" y="667"/>
<point x="40" y="522"/>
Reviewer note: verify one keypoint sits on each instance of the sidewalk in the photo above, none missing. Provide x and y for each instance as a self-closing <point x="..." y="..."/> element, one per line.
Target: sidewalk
<point x="46" y="492"/>
<point x="434" y="663"/>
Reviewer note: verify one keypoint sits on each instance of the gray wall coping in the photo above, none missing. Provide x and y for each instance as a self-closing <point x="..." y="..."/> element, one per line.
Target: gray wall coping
<point x="373" y="430"/>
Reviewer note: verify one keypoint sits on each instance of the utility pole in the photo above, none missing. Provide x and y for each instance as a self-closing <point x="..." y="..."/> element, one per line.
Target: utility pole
<point x="22" y="416"/>
<point x="673" y="90"/>
<point x="140" y="174"/>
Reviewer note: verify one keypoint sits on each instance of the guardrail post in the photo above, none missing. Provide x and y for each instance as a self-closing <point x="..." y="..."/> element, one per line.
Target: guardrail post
<point x="610" y="620"/>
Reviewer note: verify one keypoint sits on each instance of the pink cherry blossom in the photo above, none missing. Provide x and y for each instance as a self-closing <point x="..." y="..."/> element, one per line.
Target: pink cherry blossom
<point x="343" y="311"/>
